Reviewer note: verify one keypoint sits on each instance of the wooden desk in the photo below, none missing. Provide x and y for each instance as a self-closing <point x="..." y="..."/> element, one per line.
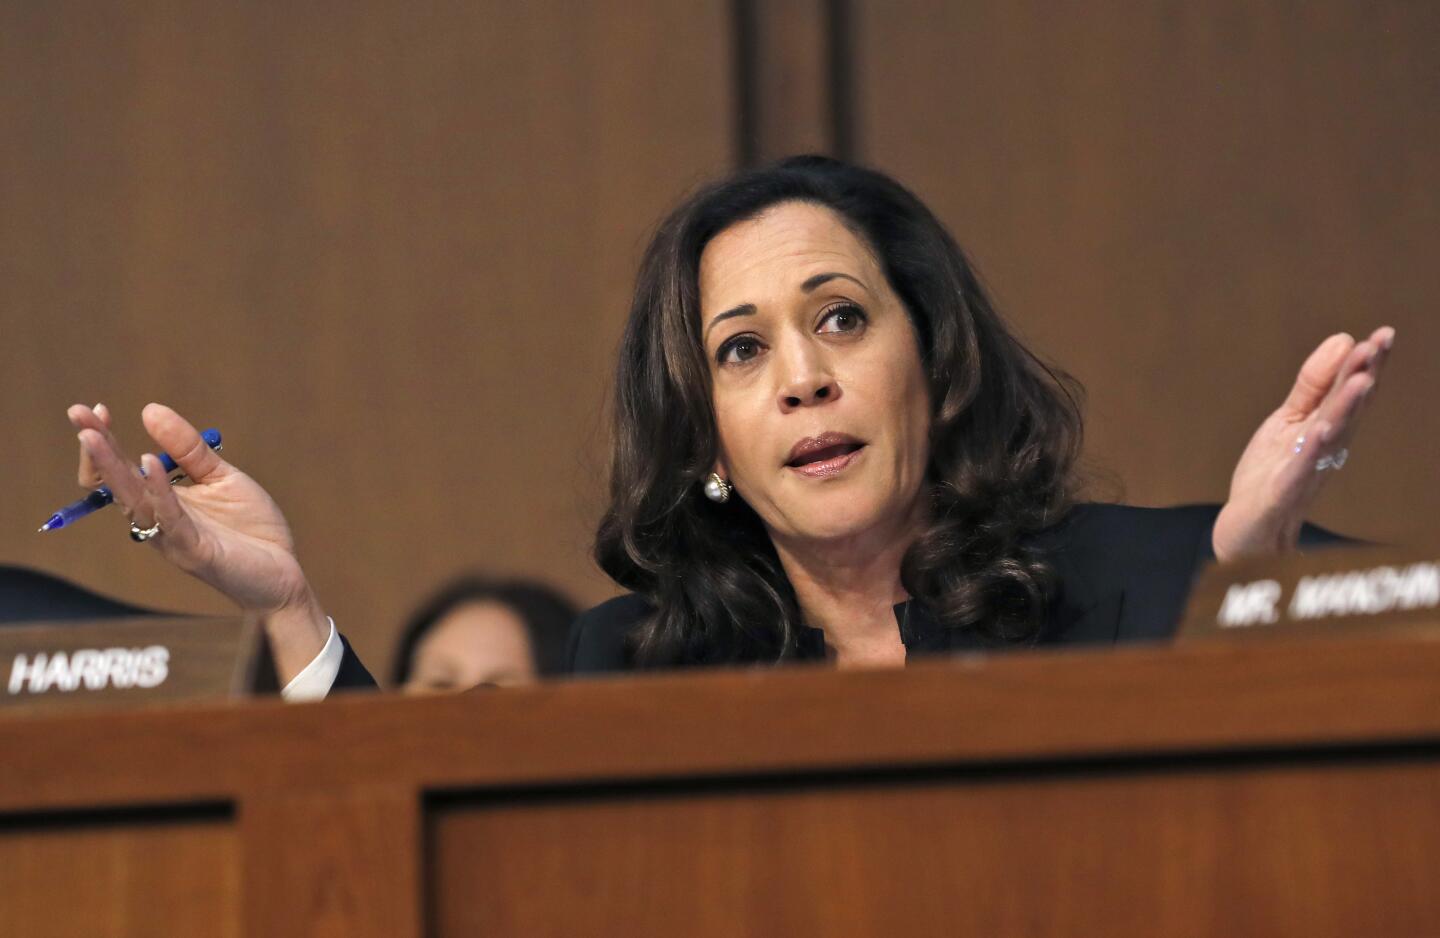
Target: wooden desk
<point x="1287" y="788"/>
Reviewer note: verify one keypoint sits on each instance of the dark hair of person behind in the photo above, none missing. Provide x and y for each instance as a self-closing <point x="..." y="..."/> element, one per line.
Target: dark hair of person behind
<point x="1005" y="437"/>
<point x="547" y="616"/>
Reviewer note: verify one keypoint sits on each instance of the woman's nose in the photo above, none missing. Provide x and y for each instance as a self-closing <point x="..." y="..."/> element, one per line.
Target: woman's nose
<point x="810" y="383"/>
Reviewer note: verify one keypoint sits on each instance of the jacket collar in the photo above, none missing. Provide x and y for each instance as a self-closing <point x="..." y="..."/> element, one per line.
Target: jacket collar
<point x="1071" y="620"/>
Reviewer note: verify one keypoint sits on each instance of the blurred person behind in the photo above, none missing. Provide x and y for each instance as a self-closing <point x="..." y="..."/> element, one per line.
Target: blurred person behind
<point x="480" y="632"/>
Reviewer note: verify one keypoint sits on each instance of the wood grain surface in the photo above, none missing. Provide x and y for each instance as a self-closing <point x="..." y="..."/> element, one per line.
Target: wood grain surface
<point x="387" y="250"/>
<point x="1278" y="850"/>
<point x="1284" y="788"/>
<point x="118" y="875"/>
<point x="323" y="861"/>
<point x="976" y="710"/>
<point x="790" y="70"/>
<point x="1177" y="202"/>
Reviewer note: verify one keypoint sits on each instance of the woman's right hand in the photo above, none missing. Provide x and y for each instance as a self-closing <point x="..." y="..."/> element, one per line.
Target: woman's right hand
<point x="223" y="529"/>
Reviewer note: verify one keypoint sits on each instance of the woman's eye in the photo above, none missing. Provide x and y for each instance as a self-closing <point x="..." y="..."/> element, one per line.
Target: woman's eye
<point x="739" y="349"/>
<point x="843" y="318"/>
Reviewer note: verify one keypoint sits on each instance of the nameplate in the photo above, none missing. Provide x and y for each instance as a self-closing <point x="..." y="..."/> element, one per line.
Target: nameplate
<point x="1332" y="591"/>
<point x="128" y="661"/>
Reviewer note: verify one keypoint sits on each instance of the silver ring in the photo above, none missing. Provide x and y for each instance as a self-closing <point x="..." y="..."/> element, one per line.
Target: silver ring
<point x="139" y="535"/>
<point x="1337" y="461"/>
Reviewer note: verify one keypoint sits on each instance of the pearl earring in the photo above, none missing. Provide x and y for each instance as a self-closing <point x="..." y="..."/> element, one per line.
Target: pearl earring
<point x="717" y="489"/>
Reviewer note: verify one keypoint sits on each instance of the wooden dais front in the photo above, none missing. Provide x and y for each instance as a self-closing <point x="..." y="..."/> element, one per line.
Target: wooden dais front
<point x="1277" y="788"/>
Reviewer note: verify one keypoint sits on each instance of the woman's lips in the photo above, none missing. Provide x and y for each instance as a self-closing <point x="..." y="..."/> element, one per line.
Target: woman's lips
<point x="830" y="461"/>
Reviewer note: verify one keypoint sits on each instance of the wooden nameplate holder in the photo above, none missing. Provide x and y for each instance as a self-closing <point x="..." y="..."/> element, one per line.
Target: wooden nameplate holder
<point x="1325" y="592"/>
<point x="128" y="661"/>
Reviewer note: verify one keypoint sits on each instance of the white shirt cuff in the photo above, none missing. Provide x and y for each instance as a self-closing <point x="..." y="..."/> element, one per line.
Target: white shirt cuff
<point x="315" y="681"/>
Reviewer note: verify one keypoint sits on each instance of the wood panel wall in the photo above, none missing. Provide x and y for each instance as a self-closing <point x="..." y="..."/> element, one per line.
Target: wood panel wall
<point x="1177" y="202"/>
<point x="388" y="250"/>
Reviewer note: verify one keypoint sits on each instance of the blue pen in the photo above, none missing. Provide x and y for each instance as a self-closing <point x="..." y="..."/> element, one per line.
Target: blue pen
<point x="101" y="497"/>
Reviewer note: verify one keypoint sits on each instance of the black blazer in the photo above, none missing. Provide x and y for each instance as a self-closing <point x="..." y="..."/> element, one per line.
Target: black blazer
<point x="1124" y="575"/>
<point x="32" y="596"/>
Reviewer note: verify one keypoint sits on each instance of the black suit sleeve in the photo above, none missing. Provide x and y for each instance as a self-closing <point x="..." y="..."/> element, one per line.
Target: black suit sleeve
<point x="600" y="638"/>
<point x="353" y="675"/>
<point x="1127" y="571"/>
<point x="32" y="596"/>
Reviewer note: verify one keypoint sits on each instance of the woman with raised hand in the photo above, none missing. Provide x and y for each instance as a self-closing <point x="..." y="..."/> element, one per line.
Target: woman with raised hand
<point x="224" y="529"/>
<point x="827" y="445"/>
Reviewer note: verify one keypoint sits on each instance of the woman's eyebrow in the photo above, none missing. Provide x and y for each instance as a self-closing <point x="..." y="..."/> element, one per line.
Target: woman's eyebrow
<point x="744" y="309"/>
<point x="809" y="285"/>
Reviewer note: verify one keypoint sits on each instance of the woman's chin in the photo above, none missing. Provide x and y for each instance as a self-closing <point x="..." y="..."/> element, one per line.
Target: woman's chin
<point x="836" y="521"/>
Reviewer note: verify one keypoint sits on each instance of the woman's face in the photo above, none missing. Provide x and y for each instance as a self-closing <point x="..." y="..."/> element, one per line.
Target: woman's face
<point x="819" y="391"/>
<point x="475" y="643"/>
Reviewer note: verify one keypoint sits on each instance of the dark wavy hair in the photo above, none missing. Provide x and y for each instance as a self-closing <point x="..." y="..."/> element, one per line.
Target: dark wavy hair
<point x="1004" y="438"/>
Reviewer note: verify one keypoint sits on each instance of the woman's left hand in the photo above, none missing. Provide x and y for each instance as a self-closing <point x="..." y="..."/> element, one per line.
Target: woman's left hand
<point x="1287" y="459"/>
